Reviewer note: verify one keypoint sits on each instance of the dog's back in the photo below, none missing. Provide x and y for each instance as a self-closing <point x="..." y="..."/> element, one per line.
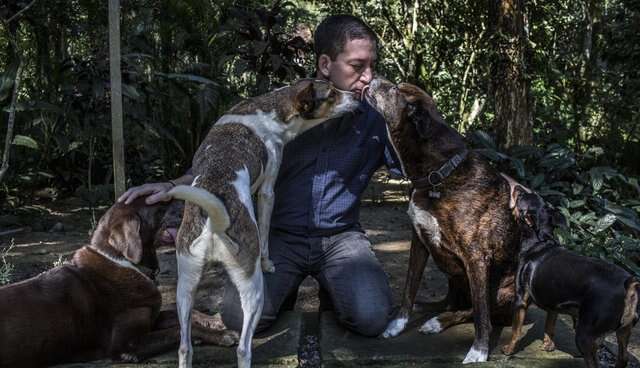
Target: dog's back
<point x="48" y="318"/>
<point x="228" y="163"/>
<point x="74" y="312"/>
<point x="562" y="281"/>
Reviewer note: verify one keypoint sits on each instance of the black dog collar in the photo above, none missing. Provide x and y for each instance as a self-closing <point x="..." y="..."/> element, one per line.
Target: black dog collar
<point x="436" y="177"/>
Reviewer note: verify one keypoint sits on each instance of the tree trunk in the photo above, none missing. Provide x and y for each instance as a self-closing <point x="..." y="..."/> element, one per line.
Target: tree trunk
<point x="117" y="132"/>
<point x="582" y="91"/>
<point x="510" y="84"/>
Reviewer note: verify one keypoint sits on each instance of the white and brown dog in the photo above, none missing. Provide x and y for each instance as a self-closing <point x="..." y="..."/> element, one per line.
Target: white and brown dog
<point x="239" y="157"/>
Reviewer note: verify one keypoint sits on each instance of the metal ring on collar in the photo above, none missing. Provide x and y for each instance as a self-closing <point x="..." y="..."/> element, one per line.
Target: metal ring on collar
<point x="432" y="182"/>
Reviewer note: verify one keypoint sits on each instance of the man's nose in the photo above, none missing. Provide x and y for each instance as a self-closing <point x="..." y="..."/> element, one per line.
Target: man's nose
<point x="367" y="75"/>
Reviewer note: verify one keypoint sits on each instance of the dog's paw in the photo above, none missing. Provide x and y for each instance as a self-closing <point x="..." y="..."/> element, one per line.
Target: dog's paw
<point x="268" y="266"/>
<point x="129" y="358"/>
<point x="229" y="338"/>
<point x="507" y="349"/>
<point x="395" y="327"/>
<point x="548" y="345"/>
<point x="475" y="356"/>
<point x="432" y="326"/>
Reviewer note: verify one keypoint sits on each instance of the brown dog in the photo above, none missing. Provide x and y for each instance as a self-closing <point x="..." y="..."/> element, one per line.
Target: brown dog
<point x="460" y="213"/>
<point x="103" y="303"/>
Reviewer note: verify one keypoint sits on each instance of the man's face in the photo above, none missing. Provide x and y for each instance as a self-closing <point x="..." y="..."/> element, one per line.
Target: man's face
<point x="353" y="68"/>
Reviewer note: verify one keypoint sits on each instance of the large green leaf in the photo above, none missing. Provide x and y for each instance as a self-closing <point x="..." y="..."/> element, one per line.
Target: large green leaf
<point x="604" y="222"/>
<point x="188" y="78"/>
<point x="23" y="140"/>
<point x="626" y="215"/>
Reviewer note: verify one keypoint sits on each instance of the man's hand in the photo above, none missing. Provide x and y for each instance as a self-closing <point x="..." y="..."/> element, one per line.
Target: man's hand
<point x="156" y="192"/>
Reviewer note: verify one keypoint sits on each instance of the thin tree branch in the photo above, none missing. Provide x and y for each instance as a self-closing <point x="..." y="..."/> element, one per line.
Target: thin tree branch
<point x="12" y="120"/>
<point x="16" y="15"/>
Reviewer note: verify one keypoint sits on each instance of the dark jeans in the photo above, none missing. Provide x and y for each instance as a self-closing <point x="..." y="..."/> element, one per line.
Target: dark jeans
<point x="345" y="267"/>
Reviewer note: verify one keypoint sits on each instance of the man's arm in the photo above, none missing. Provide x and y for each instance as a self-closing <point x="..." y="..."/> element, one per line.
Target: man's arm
<point x="156" y="192"/>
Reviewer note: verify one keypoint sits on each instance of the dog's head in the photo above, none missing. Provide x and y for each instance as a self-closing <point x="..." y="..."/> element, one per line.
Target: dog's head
<point x="130" y="231"/>
<point x="530" y="209"/>
<point x="309" y="102"/>
<point x="404" y="104"/>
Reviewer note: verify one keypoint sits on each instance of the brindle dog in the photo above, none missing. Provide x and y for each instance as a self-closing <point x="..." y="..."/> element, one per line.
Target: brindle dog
<point x="460" y="213"/>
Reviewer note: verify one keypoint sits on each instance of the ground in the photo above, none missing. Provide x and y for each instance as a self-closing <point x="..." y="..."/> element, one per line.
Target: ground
<point x="45" y="233"/>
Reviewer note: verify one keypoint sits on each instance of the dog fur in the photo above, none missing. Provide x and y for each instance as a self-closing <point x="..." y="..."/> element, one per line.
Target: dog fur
<point x="464" y="222"/>
<point x="601" y="297"/>
<point x="240" y="157"/>
<point x="103" y="303"/>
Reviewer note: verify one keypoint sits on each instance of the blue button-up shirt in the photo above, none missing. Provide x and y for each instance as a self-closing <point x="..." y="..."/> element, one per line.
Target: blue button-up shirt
<point x="325" y="170"/>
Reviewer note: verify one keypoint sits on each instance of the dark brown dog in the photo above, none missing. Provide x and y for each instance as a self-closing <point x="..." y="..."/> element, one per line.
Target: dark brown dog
<point x="103" y="303"/>
<point x="601" y="297"/>
<point x="460" y="213"/>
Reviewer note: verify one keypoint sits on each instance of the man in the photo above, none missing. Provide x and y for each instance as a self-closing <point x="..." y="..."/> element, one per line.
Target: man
<point x="314" y="225"/>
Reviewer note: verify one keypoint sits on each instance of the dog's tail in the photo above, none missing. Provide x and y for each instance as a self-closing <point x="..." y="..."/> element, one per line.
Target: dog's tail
<point x="219" y="220"/>
<point x="630" y="314"/>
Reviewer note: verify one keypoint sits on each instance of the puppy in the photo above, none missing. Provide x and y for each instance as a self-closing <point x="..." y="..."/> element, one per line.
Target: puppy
<point x="103" y="303"/>
<point x="239" y="157"/>
<point x="600" y="296"/>
<point x="459" y="210"/>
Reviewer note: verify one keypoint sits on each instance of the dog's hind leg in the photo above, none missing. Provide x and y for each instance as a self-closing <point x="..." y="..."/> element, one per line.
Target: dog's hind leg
<point x="251" y="292"/>
<point x="622" y="334"/>
<point x="478" y="275"/>
<point x="190" y="266"/>
<point x="418" y="257"/>
<point x="586" y="342"/>
<point x="265" y="206"/>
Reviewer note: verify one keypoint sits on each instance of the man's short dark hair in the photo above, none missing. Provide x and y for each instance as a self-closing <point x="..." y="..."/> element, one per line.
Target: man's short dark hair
<point x="334" y="31"/>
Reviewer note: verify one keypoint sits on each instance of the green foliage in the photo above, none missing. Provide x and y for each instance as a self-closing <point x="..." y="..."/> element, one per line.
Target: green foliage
<point x="599" y="204"/>
<point x="185" y="62"/>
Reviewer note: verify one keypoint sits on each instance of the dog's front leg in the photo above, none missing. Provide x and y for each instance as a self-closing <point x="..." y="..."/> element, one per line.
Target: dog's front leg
<point x="126" y="332"/>
<point x="518" y="321"/>
<point x="478" y="274"/>
<point x="549" y="331"/>
<point x="265" y="207"/>
<point x="418" y="257"/>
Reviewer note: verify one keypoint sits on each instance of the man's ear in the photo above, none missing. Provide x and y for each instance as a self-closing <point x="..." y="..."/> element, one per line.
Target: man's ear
<point x="419" y="117"/>
<point x="306" y="101"/>
<point x="125" y="238"/>
<point x="324" y="65"/>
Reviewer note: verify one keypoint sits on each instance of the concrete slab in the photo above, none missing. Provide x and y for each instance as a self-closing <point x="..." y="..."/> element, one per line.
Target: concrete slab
<point x="275" y="348"/>
<point x="341" y="348"/>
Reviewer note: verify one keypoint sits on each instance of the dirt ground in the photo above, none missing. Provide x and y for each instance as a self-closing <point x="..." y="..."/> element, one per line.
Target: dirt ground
<point x="38" y="236"/>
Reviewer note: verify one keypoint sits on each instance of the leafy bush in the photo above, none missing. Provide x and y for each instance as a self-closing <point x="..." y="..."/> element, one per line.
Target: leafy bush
<point x="6" y="268"/>
<point x="599" y="203"/>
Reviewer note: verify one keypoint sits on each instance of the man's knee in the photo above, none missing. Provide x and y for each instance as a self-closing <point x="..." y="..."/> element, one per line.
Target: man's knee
<point x="368" y="320"/>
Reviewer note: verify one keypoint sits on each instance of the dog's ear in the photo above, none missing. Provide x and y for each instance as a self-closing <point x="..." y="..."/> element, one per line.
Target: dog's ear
<point x="306" y="100"/>
<point x="125" y="238"/>
<point x="516" y="191"/>
<point x="419" y="117"/>
<point x="517" y="206"/>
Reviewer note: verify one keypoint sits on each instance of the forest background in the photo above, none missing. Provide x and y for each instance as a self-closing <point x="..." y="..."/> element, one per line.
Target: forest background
<point x="548" y="90"/>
